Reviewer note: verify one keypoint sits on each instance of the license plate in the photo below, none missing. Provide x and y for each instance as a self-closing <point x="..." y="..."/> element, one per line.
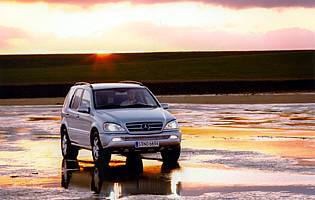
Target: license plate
<point x="141" y="144"/>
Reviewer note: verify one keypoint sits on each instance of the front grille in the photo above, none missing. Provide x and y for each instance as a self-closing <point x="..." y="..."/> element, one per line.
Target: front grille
<point x="144" y="126"/>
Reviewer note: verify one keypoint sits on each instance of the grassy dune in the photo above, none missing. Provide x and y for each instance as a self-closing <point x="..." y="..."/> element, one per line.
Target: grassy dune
<point x="157" y="67"/>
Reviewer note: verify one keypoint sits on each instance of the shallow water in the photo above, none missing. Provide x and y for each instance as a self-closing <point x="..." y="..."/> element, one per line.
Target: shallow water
<point x="32" y="166"/>
<point x="285" y="116"/>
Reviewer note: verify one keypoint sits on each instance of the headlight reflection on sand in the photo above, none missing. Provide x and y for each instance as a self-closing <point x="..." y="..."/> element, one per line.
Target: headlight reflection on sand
<point x="175" y="185"/>
<point x="115" y="192"/>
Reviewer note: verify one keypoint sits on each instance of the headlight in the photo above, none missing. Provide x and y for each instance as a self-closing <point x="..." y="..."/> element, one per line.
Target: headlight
<point x="112" y="127"/>
<point x="172" y="125"/>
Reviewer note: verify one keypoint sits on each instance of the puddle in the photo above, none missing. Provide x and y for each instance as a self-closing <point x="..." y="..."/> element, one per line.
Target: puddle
<point x="41" y="118"/>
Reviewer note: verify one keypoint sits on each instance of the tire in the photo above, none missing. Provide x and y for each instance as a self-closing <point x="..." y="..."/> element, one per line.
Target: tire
<point x="134" y="164"/>
<point x="67" y="149"/>
<point x="169" y="167"/>
<point x="99" y="154"/>
<point x="171" y="156"/>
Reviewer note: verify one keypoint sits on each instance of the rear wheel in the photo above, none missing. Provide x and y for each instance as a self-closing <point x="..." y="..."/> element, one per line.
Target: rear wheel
<point x="68" y="151"/>
<point x="171" y="156"/>
<point x="100" y="155"/>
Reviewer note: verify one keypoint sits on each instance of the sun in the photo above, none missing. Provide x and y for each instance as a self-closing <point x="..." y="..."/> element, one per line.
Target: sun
<point x="102" y="56"/>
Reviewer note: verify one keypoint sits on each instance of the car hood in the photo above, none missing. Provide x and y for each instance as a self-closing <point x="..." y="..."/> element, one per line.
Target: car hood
<point x="135" y="115"/>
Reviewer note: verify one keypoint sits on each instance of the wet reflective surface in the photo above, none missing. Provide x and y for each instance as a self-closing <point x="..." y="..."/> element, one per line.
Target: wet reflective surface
<point x="284" y="116"/>
<point x="228" y="151"/>
<point x="119" y="180"/>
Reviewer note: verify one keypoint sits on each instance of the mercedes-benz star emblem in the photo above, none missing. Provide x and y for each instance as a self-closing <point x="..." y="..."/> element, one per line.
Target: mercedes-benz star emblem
<point x="145" y="126"/>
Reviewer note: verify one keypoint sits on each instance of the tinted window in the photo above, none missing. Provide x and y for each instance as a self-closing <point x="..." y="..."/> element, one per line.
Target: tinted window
<point x="76" y="99"/>
<point x="124" y="97"/>
<point x="67" y="101"/>
<point x="86" y="99"/>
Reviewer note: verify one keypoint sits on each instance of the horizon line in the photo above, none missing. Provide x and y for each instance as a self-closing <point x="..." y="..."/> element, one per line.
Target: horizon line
<point x="144" y="52"/>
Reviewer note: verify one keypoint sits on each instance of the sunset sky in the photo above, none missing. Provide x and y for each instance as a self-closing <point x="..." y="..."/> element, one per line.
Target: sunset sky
<point x="95" y="26"/>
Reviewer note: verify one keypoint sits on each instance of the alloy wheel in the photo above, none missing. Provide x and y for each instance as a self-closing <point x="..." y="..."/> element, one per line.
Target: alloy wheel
<point x="95" y="148"/>
<point x="64" y="144"/>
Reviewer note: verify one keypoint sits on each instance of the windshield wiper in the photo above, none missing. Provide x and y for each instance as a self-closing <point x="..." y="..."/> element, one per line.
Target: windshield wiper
<point x="139" y="105"/>
<point x="109" y="107"/>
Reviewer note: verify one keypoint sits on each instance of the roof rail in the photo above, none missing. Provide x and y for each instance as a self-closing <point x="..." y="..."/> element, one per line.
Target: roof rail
<point x="82" y="83"/>
<point x="132" y="82"/>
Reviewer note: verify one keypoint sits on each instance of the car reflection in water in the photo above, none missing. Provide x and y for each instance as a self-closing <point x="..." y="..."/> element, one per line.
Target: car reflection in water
<point x="119" y="180"/>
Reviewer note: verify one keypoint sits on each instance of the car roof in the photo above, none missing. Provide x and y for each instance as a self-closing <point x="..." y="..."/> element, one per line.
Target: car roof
<point x="99" y="86"/>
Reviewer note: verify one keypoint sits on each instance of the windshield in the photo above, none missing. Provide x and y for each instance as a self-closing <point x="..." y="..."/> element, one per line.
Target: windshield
<point x="124" y="98"/>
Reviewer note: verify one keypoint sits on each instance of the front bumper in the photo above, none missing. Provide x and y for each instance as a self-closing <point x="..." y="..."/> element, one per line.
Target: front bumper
<point x="125" y="143"/>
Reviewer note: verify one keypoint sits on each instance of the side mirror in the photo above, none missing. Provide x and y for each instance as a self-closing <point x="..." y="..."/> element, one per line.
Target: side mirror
<point x="84" y="110"/>
<point x="164" y="106"/>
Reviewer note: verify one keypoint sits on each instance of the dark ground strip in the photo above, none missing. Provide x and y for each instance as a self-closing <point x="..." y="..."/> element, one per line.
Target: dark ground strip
<point x="172" y="88"/>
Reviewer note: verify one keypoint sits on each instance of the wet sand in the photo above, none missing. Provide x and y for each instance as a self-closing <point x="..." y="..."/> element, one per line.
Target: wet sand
<point x="263" y="98"/>
<point x="228" y="151"/>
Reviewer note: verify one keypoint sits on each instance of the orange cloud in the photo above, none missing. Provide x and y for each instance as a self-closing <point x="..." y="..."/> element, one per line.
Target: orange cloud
<point x="238" y="4"/>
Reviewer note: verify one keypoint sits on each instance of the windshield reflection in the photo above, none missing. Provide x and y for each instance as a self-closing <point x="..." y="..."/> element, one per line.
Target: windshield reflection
<point x="124" y="98"/>
<point x="119" y="181"/>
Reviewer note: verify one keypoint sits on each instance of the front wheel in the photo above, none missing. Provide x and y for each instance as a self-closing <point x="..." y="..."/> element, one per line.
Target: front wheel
<point x="171" y="156"/>
<point x="134" y="163"/>
<point x="100" y="155"/>
<point x="68" y="151"/>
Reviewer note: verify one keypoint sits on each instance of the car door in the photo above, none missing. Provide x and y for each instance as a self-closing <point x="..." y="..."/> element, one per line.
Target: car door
<point x="85" y="117"/>
<point x="73" y="116"/>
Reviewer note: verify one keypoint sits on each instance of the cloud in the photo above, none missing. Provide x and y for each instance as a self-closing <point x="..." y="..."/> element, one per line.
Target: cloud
<point x="200" y="39"/>
<point x="7" y="34"/>
<point x="296" y="38"/>
<point x="262" y="3"/>
<point x="145" y="36"/>
<point x="237" y="4"/>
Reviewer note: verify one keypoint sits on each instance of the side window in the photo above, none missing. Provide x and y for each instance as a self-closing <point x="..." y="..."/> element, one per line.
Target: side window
<point x="86" y="99"/>
<point x="76" y="99"/>
<point x="67" y="100"/>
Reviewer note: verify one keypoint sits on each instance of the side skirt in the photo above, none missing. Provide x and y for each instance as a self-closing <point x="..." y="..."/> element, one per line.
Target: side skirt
<point x="81" y="146"/>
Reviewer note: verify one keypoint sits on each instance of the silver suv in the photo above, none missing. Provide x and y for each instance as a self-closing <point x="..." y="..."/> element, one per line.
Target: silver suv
<point x="123" y="118"/>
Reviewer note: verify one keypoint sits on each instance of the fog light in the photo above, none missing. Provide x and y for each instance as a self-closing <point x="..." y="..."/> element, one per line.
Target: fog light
<point x="173" y="137"/>
<point x="116" y="139"/>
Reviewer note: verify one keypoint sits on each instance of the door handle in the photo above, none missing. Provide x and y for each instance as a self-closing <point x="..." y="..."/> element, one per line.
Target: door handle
<point x="64" y="114"/>
<point x="72" y="115"/>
